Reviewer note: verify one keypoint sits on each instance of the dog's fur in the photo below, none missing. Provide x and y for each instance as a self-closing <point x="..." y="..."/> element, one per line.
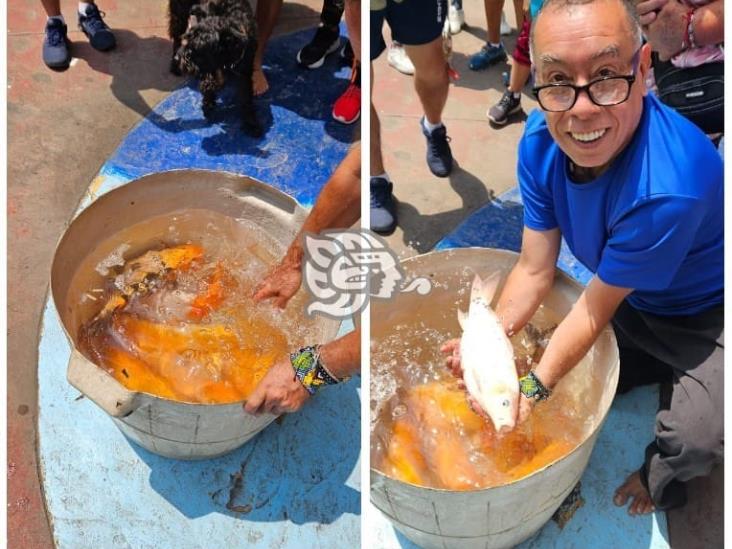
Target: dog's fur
<point x="222" y="41"/>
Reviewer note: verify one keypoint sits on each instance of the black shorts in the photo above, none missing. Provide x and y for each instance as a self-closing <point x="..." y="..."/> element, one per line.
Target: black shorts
<point x="412" y="22"/>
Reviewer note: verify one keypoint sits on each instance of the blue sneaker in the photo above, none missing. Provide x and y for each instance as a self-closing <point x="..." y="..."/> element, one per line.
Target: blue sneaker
<point x="56" y="54"/>
<point x="383" y="206"/>
<point x="487" y="56"/>
<point x="99" y="34"/>
<point x="439" y="155"/>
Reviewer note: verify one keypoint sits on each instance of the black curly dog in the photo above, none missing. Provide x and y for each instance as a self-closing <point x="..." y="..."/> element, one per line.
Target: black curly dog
<point x="222" y="41"/>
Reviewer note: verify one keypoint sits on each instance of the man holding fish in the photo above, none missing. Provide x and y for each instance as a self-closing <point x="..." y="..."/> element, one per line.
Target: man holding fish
<point x="636" y="191"/>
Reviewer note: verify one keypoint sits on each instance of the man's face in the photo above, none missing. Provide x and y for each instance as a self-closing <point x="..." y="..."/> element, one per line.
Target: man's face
<point x="578" y="45"/>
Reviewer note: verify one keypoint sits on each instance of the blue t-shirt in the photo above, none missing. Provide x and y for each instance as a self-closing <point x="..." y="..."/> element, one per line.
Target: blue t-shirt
<point x="652" y="222"/>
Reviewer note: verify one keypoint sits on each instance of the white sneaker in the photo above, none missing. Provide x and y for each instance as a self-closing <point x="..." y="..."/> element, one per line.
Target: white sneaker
<point x="399" y="59"/>
<point x="456" y="18"/>
<point x="505" y="27"/>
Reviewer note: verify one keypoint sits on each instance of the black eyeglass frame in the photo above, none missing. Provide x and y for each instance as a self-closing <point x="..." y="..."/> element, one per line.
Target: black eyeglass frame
<point x="630" y="78"/>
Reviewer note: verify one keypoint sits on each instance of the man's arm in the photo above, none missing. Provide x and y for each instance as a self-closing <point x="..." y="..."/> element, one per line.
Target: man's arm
<point x="338" y="206"/>
<point x="530" y="279"/>
<point x="578" y="331"/>
<point x="281" y="392"/>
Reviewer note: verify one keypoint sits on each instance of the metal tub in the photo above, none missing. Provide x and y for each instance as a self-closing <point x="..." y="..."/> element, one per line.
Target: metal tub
<point x="169" y="428"/>
<point x="507" y="515"/>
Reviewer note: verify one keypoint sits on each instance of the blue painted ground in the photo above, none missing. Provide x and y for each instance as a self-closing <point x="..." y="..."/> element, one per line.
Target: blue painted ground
<point x="619" y="450"/>
<point x="299" y="490"/>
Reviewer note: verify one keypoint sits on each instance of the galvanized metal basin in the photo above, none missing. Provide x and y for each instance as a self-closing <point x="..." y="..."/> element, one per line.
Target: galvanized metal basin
<point x="503" y="516"/>
<point x="169" y="428"/>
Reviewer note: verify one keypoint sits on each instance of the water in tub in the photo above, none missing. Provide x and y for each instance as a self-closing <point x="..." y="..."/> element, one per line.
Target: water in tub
<point x="424" y="432"/>
<point x="172" y="314"/>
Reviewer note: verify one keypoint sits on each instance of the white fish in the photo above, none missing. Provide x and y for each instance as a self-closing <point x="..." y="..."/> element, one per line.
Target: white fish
<point x="487" y="357"/>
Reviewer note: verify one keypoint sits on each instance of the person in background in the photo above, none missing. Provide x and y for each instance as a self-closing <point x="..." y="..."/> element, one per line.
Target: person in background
<point x="56" y="44"/>
<point x="493" y="52"/>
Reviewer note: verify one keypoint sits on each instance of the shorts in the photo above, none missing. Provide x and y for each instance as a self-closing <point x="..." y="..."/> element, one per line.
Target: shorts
<point x="412" y="23"/>
<point x="521" y="53"/>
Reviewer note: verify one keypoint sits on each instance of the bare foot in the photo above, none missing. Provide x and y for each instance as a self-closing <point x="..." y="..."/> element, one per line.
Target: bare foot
<point x="259" y="82"/>
<point x="634" y="490"/>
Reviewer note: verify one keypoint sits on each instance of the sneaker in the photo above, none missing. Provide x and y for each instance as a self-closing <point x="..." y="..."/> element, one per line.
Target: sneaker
<point x="505" y="27"/>
<point x="347" y="107"/>
<point x="456" y="17"/>
<point x="399" y="59"/>
<point x="56" y="54"/>
<point x="325" y="41"/>
<point x="99" y="34"/>
<point x="487" y="56"/>
<point x="346" y="54"/>
<point x="383" y="206"/>
<point x="506" y="106"/>
<point x="439" y="156"/>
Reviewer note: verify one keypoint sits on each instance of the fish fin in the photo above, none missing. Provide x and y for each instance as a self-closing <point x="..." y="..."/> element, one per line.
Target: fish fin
<point x="462" y="319"/>
<point x="485" y="289"/>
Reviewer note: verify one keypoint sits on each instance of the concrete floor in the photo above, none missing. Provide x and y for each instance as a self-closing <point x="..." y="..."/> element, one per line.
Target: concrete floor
<point x="61" y="129"/>
<point x="429" y="207"/>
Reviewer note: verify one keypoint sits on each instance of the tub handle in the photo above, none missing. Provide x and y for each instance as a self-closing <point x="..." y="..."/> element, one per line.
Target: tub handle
<point x="100" y="387"/>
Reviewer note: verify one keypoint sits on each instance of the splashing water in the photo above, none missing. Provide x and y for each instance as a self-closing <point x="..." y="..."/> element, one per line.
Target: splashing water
<point x="424" y="432"/>
<point x="187" y="329"/>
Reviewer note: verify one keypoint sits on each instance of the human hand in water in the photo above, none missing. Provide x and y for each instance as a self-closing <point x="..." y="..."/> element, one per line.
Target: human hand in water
<point x="452" y="350"/>
<point x="279" y="391"/>
<point x="281" y="283"/>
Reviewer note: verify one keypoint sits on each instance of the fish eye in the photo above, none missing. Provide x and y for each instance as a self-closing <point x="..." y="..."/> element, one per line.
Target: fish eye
<point x="506" y="403"/>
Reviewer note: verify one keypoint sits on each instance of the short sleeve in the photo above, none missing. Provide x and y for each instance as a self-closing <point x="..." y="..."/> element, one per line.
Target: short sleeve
<point x="536" y="196"/>
<point x="648" y="244"/>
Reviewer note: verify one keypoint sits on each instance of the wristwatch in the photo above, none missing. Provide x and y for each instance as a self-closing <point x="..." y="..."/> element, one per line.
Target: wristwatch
<point x="532" y="387"/>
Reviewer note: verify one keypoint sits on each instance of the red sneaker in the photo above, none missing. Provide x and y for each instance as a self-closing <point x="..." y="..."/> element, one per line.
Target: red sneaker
<point x="347" y="107"/>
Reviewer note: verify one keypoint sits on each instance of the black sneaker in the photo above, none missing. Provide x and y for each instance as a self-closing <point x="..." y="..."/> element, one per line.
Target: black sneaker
<point x="99" y="34"/>
<point x="439" y="156"/>
<point x="501" y="111"/>
<point x="383" y="206"/>
<point x="346" y="54"/>
<point x="324" y="42"/>
<point x="56" y="53"/>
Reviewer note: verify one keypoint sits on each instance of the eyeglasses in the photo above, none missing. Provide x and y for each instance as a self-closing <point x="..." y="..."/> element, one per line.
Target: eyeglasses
<point x="605" y="91"/>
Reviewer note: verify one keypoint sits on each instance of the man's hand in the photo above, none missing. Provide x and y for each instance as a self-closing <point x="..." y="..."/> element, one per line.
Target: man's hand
<point x="452" y="349"/>
<point x="647" y="10"/>
<point x="279" y="391"/>
<point x="281" y="284"/>
<point x="666" y="32"/>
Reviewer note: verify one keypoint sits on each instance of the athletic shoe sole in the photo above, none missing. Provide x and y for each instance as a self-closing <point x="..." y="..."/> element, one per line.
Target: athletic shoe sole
<point x="319" y="63"/>
<point x="505" y="120"/>
<point x="344" y="121"/>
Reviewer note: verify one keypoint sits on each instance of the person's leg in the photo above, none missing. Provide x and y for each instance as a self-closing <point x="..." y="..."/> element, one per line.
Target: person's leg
<point x="493" y="51"/>
<point x="431" y="80"/>
<point x="267" y="13"/>
<point x="52" y="7"/>
<point x="382" y="213"/>
<point x="689" y="431"/>
<point x="93" y="26"/>
<point x="353" y="24"/>
<point x="510" y="102"/>
<point x="518" y="9"/>
<point x="493" y="9"/>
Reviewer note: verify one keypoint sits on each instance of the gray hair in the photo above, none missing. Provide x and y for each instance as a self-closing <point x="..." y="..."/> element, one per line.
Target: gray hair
<point x="634" y="25"/>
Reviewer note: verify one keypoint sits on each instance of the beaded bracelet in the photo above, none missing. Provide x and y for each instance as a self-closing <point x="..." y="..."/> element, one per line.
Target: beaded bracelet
<point x="309" y="369"/>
